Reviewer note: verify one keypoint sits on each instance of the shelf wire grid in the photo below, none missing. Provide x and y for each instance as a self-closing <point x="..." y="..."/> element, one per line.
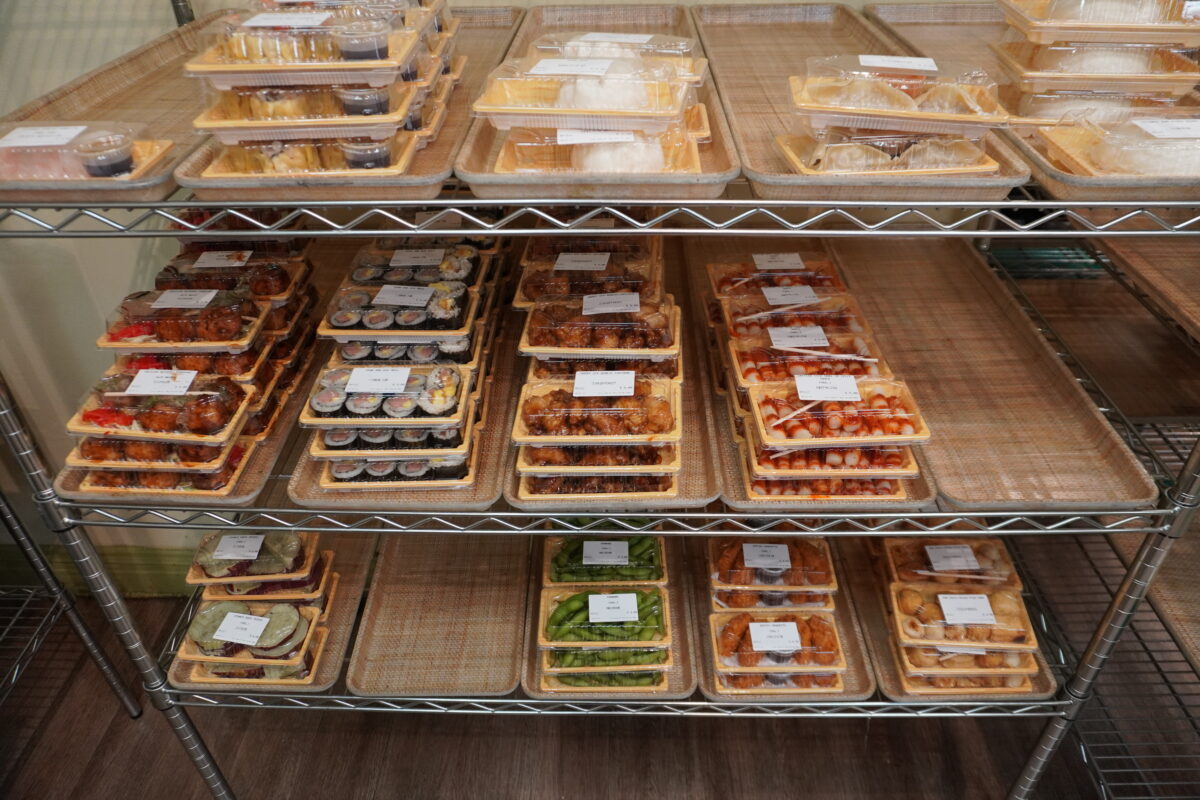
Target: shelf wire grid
<point x="27" y="615"/>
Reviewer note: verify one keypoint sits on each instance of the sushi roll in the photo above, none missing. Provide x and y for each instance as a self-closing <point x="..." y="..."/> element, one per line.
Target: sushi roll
<point x="438" y="402"/>
<point x="335" y="378"/>
<point x="454" y="268"/>
<point x="375" y="438"/>
<point x="449" y="467"/>
<point x="390" y="352"/>
<point x="345" y="318"/>
<point x="411" y="438"/>
<point x="399" y="407"/>
<point x="380" y="470"/>
<point x="398" y="275"/>
<point x="353" y="300"/>
<point x="465" y="252"/>
<point x="364" y="404"/>
<point x="356" y="351"/>
<point x="339" y="438"/>
<point x="347" y="470"/>
<point x="328" y="402"/>
<point x="414" y="470"/>
<point x="457" y="350"/>
<point x="411" y="319"/>
<point x="427" y="275"/>
<point x="414" y="384"/>
<point x="439" y="377"/>
<point x="445" y="313"/>
<point x="455" y="289"/>
<point x="366" y="274"/>
<point x="380" y="261"/>
<point x="378" y="319"/>
<point x="447" y="438"/>
<point x="423" y="353"/>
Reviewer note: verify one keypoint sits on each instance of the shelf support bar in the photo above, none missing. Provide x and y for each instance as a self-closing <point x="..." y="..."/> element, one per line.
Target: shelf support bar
<point x="183" y="11"/>
<point x="1184" y="500"/>
<point x="105" y="592"/>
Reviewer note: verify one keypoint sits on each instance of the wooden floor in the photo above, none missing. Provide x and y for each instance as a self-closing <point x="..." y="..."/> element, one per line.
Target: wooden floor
<point x="63" y="736"/>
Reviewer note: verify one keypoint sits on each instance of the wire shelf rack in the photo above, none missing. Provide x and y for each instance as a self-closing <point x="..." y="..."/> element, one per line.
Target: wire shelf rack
<point x="27" y="616"/>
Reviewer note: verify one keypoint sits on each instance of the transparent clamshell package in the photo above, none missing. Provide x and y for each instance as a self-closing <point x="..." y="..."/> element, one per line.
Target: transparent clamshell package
<point x="568" y="279"/>
<point x="947" y="614"/>
<point x="1115" y="21"/>
<point x="1098" y="67"/>
<point x="544" y="251"/>
<point x="370" y="444"/>
<point x="753" y="316"/>
<point x="171" y="482"/>
<point x="598" y="487"/>
<point x="614" y="459"/>
<point x="388" y="155"/>
<point x="595" y="94"/>
<point x="960" y="660"/>
<point x="570" y="559"/>
<point x="573" y="327"/>
<point x="264" y="278"/>
<point x="454" y="350"/>
<point x="804" y="265"/>
<point x="828" y="462"/>
<point x="780" y="683"/>
<point x="53" y="151"/>
<point x="758" y="641"/>
<point x="605" y="660"/>
<point x="250" y="366"/>
<point x="567" y="618"/>
<point x="437" y="472"/>
<point x="208" y="413"/>
<point x="155" y="321"/>
<point x="555" y="367"/>
<point x="415" y="265"/>
<point x="825" y="489"/>
<point x="1138" y="146"/>
<point x="111" y="452"/>
<point x="950" y="560"/>
<point x="549" y="414"/>
<point x="778" y="564"/>
<point x="885" y="414"/>
<point x="393" y="312"/>
<point x="766" y="597"/>
<point x="897" y="94"/>
<point x="760" y="360"/>
<point x="679" y="52"/>
<point x="836" y="151"/>
<point x="386" y="397"/>
<point x="1047" y="108"/>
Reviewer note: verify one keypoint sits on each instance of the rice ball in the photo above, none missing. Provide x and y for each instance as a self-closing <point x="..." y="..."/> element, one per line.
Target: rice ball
<point x="619" y="157"/>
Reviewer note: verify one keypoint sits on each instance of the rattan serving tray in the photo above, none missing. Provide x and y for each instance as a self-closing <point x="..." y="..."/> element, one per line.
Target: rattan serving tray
<point x="754" y="49"/>
<point x="445" y="618"/>
<point x="1165" y="270"/>
<point x="949" y="31"/>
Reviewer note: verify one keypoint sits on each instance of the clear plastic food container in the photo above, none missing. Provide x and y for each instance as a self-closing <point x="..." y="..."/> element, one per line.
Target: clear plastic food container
<point x="587" y="328"/>
<point x="635" y="618"/>
<point x="484" y="243"/>
<point x="931" y="614"/>
<point x="753" y="316"/>
<point x="207" y="411"/>
<point x="416" y="265"/>
<point x="950" y="660"/>
<point x="457" y="350"/>
<point x="605" y="44"/>
<point x="897" y="93"/>
<point x="1118" y="21"/>
<point x="248" y="366"/>
<point x="826" y="489"/>
<point x="452" y="471"/>
<point x="1100" y="107"/>
<point x="773" y="358"/>
<point x="109" y="452"/>
<point x="574" y="275"/>
<point x="806" y="265"/>
<point x="550" y="414"/>
<point x="596" y="94"/>
<point x="387" y="155"/>
<point x="833" y="462"/>
<point x="967" y="560"/>
<point x="546" y="368"/>
<point x="587" y="488"/>
<point x="283" y="640"/>
<point x="386" y="397"/>
<point x="599" y="459"/>
<point x="246" y="559"/>
<point x="54" y="151"/>
<point x="866" y="152"/>
<point x="1098" y="67"/>
<point x="174" y="320"/>
<point x="1139" y="146"/>
<point x="371" y="444"/>
<point x="885" y="413"/>
<point x="171" y="482"/>
<point x="543" y="252"/>
<point x="604" y="559"/>
<point x="433" y="312"/>
<point x="770" y="598"/>
<point x="780" y="683"/>
<point x="616" y="682"/>
<point x="769" y="641"/>
<point x="264" y="278"/>
<point x="605" y="660"/>
<point x="778" y="564"/>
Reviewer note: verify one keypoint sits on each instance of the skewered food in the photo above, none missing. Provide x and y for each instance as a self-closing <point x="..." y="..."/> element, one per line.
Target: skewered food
<point x="559" y="413"/>
<point x="551" y="368"/>
<point x="878" y="413"/>
<point x="617" y="276"/>
<point x="599" y="484"/>
<point x="562" y="324"/>
<point x="978" y="561"/>
<point x="599" y="456"/>
<point x="831" y="458"/>
<point x="759" y="361"/>
<point x="827" y="487"/>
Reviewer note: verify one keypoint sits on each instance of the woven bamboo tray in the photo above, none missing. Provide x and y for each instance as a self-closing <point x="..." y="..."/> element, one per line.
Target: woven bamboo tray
<point x="858" y="682"/>
<point x="445" y="617"/>
<point x="484" y="34"/>
<point x="719" y="164"/>
<point x="1165" y="270"/>
<point x="754" y="49"/>
<point x="864" y="583"/>
<point x="146" y="86"/>
<point x="354" y="554"/>
<point x="680" y="680"/>
<point x="944" y="31"/>
<point x="1173" y="592"/>
<point x="1013" y="426"/>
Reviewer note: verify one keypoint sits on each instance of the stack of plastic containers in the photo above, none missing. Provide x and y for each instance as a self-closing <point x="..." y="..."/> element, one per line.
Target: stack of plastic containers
<point x="772" y="628"/>
<point x="604" y="622"/>
<point x="402" y="400"/>
<point x="817" y="414"/>
<point x="877" y="115"/>
<point x="599" y="414"/>
<point x="204" y="364"/>
<point x="265" y="600"/>
<point x="326" y="88"/>
<point x="66" y="151"/>
<point x="956" y="619"/>
<point x="597" y="103"/>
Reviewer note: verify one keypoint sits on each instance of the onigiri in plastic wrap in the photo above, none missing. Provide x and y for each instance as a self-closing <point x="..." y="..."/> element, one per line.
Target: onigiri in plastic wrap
<point x="1132" y="149"/>
<point x="619" y="157"/>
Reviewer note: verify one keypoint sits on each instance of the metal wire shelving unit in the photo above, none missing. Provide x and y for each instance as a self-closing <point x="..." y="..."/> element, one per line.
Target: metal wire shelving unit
<point x="1077" y="664"/>
<point x="27" y="615"/>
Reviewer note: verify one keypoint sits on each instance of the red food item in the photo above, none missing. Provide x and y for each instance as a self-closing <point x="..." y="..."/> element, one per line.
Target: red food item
<point x="134" y="331"/>
<point x="148" y="362"/>
<point x="107" y="418"/>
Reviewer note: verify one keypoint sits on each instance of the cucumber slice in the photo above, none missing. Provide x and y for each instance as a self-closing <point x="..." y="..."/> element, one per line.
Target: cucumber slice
<point x="207" y="620"/>
<point x="282" y="621"/>
<point x="285" y="647"/>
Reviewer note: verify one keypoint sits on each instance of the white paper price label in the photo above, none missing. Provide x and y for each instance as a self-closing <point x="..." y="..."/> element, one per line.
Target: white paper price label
<point x="768" y="261"/>
<point x="612" y="608"/>
<point x="802" y="336"/>
<point x="571" y="66"/>
<point x="604" y="222"/>
<point x="239" y="546"/>
<point x="967" y="609"/>
<point x="184" y="298"/>
<point x="446" y="221"/>
<point x="950" y="650"/>
<point x="827" y="387"/>
<point x="42" y="136"/>
<point x="1170" y="128"/>
<point x="407" y="296"/>
<point x="603" y="383"/>
<point x="1191" y="9"/>
<point x="790" y="295"/>
<point x="898" y="62"/>
<point x="304" y="19"/>
<point x="161" y="381"/>
<point x="597" y="554"/>
<point x="241" y="628"/>
<point x="951" y="557"/>
<point x="778" y="637"/>
<point x="429" y="257"/>
<point x="572" y="136"/>
<point x="212" y="259"/>
<point x="766" y="556"/>
<point x="582" y="262"/>
<point x="613" y="303"/>
<point x="378" y="380"/>
<point x="617" y="38"/>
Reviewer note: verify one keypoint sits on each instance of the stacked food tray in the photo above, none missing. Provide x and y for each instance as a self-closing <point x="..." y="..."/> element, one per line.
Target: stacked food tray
<point x="599" y="417"/>
<point x="262" y="617"/>
<point x="604" y="618"/>
<point x="818" y="415"/>
<point x="326" y="91"/>
<point x="203" y="367"/>
<point x="402" y="401"/>
<point x="957" y="624"/>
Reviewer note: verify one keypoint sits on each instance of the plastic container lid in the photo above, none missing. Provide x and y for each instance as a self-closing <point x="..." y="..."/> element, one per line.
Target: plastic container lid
<point x="1139" y="146"/>
<point x="940" y="614"/>
<point x="753" y="316"/>
<point x="846" y="152"/>
<point x="183" y="316"/>
<point x="782" y="355"/>
<point x="634" y="251"/>
<point x="950" y="560"/>
<point x="584" y="152"/>
<point x="414" y="265"/>
<point x="677" y="52"/>
<point x="769" y="641"/>
<point x="604" y="559"/>
<point x="40" y="150"/>
<point x="571" y="617"/>
<point x="386" y="396"/>
<point x="965" y="661"/>
<point x="885" y="413"/>
<point x="544" y="368"/>
<point x="575" y="276"/>
<point x="599" y="323"/>
<point x="1098" y="67"/>
<point x="264" y="278"/>
<point x="782" y="563"/>
<point x="1100" y="107"/>
<point x="116" y="405"/>
<point x="386" y="155"/>
<point x="805" y="265"/>
<point x="1133" y="21"/>
<point x="550" y="413"/>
